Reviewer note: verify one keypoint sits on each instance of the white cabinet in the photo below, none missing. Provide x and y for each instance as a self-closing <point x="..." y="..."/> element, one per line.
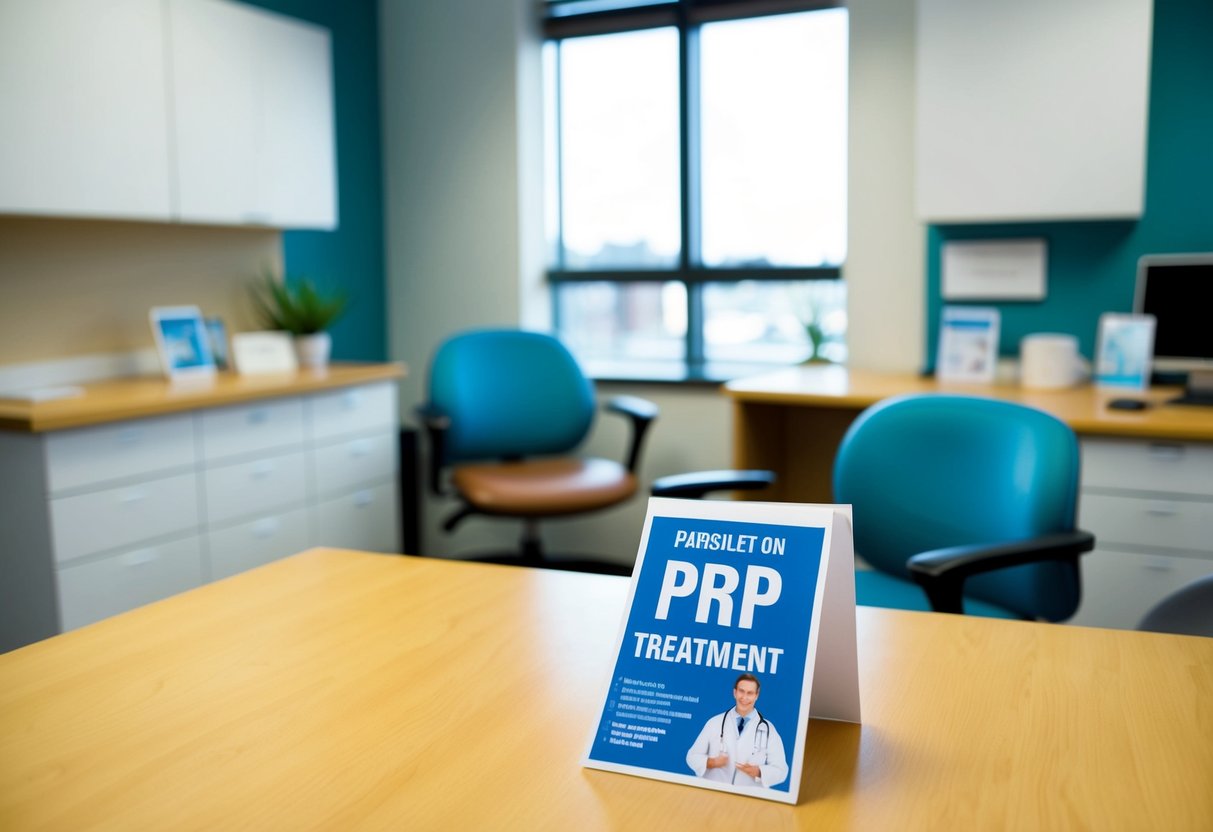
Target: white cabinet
<point x="1150" y="507"/>
<point x="84" y="109"/>
<point x="100" y="519"/>
<point x="202" y="111"/>
<point x="252" y="116"/>
<point x="1033" y="110"/>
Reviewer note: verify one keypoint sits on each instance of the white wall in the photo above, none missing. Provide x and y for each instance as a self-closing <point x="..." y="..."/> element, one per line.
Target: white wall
<point x="886" y="246"/>
<point x="461" y="113"/>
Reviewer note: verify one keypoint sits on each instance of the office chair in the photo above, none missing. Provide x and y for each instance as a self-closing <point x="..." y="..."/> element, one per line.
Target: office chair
<point x="506" y="409"/>
<point x="972" y="499"/>
<point x="961" y="504"/>
<point x="1187" y="611"/>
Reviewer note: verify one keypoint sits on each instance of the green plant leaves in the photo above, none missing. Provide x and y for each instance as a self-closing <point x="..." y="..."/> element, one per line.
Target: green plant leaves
<point x="296" y="305"/>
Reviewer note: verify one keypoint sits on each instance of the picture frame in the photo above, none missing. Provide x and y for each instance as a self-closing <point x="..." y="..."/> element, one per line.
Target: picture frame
<point x="968" y="344"/>
<point x="1125" y="351"/>
<point x="216" y="330"/>
<point x="183" y="342"/>
<point x="263" y="353"/>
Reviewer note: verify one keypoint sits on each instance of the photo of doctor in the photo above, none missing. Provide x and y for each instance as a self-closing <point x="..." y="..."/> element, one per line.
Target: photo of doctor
<point x="740" y="746"/>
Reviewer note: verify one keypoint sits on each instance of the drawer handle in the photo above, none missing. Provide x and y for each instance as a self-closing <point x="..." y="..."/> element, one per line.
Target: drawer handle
<point x="266" y="528"/>
<point x="1158" y="567"/>
<point x="363" y="498"/>
<point x="262" y="470"/>
<point x="140" y="557"/>
<point x="131" y="496"/>
<point x="1164" y="452"/>
<point x="350" y="399"/>
<point x="258" y="416"/>
<point x="360" y="447"/>
<point x="1158" y="509"/>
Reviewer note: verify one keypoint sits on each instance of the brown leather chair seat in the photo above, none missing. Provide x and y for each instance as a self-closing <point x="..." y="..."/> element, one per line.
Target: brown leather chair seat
<point x="544" y="487"/>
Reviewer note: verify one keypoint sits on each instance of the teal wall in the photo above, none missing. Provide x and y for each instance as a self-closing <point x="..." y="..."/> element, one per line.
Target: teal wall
<point x="351" y="257"/>
<point x="1092" y="266"/>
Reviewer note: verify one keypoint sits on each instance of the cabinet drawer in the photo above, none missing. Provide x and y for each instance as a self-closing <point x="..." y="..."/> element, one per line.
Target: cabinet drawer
<point x="1118" y="588"/>
<point x="86" y="523"/>
<point x="254" y="487"/>
<point x="352" y="462"/>
<point x="353" y="410"/>
<point x="1182" y="467"/>
<point x="1142" y="521"/>
<point x="86" y="456"/>
<point x="257" y="542"/>
<point x="97" y="589"/>
<point x="364" y="519"/>
<point x="248" y="429"/>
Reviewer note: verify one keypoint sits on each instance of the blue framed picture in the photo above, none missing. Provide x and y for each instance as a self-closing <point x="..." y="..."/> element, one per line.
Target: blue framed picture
<point x="182" y="341"/>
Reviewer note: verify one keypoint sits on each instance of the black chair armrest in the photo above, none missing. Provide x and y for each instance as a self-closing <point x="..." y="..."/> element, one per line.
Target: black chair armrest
<point x="640" y="413"/>
<point x="942" y="572"/>
<point x="436" y="423"/>
<point x="696" y="484"/>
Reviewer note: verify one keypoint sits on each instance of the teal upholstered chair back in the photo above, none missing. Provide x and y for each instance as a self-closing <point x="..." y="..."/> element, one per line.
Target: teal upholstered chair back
<point x="931" y="472"/>
<point x="509" y="394"/>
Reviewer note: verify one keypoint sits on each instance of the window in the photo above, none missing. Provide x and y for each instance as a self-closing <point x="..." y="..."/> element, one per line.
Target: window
<point x="696" y="184"/>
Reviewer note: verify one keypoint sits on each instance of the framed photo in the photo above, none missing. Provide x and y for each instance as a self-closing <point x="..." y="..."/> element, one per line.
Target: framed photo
<point x="968" y="344"/>
<point x="1126" y="345"/>
<point x="263" y="353"/>
<point x="217" y="333"/>
<point x="183" y="342"/>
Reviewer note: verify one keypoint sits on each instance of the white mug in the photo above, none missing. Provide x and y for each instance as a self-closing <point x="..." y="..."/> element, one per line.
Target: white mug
<point x="1050" y="361"/>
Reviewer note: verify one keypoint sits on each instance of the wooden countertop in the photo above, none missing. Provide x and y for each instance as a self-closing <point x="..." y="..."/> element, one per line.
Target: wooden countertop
<point x="1083" y="408"/>
<point x="344" y="690"/>
<point x="133" y="398"/>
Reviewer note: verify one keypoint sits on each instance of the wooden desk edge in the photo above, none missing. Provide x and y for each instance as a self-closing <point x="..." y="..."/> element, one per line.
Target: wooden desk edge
<point x="113" y="400"/>
<point x="1082" y="408"/>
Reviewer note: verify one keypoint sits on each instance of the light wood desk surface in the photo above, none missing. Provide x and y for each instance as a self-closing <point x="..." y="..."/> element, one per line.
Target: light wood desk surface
<point x="339" y="690"/>
<point x="792" y="420"/>
<point x="117" y="399"/>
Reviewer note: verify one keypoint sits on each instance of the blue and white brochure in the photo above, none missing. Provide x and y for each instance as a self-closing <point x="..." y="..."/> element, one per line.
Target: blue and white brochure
<point x="740" y="625"/>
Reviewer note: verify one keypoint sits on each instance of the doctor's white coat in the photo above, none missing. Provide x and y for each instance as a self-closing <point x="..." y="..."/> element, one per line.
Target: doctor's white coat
<point x="763" y="748"/>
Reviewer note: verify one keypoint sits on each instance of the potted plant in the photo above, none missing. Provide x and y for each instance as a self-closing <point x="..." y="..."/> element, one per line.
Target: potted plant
<point x="298" y="307"/>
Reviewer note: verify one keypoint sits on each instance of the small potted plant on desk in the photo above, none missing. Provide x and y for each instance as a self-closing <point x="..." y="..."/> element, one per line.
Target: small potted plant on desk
<point x="298" y="307"/>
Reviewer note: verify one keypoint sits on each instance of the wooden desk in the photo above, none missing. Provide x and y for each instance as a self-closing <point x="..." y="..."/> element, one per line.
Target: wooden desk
<point x="339" y="690"/>
<point x="791" y="421"/>
<point x="118" y="399"/>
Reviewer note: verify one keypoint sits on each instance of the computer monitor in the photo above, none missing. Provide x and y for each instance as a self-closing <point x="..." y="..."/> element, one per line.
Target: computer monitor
<point x="1175" y="288"/>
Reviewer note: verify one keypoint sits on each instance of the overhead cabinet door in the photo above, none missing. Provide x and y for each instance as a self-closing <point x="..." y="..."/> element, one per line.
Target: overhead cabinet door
<point x="252" y="116"/>
<point x="1032" y="110"/>
<point x="83" y="109"/>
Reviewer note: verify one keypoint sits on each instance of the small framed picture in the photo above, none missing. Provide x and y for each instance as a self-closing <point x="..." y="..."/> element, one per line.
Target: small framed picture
<point x="968" y="344"/>
<point x="263" y="353"/>
<point x="217" y="332"/>
<point x="183" y="342"/>
<point x="1126" y="346"/>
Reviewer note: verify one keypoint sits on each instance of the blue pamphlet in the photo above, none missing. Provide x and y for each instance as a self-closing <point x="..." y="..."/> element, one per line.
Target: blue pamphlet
<point x="740" y="623"/>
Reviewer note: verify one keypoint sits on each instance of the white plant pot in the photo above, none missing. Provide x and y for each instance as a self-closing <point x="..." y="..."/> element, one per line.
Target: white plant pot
<point x="313" y="350"/>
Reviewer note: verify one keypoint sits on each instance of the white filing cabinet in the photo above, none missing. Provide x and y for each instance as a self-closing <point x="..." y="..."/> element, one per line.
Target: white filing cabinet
<point x="1150" y="506"/>
<point x="131" y="512"/>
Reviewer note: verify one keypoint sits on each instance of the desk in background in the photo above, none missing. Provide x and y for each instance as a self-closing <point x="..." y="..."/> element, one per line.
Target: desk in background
<point x="342" y="690"/>
<point x="1147" y="482"/>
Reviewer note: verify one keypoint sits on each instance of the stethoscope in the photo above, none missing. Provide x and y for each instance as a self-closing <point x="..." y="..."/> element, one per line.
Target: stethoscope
<point x="762" y="725"/>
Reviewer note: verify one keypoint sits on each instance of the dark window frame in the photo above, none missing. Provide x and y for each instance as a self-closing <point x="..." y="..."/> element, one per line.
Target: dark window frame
<point x="565" y="19"/>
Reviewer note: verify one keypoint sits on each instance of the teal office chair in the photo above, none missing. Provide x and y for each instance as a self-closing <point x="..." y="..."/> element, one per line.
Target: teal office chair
<point x="506" y="411"/>
<point x="961" y="504"/>
<point x="972" y="499"/>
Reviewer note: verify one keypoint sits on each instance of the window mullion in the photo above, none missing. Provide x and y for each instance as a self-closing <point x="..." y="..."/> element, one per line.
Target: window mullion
<point x="689" y="133"/>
